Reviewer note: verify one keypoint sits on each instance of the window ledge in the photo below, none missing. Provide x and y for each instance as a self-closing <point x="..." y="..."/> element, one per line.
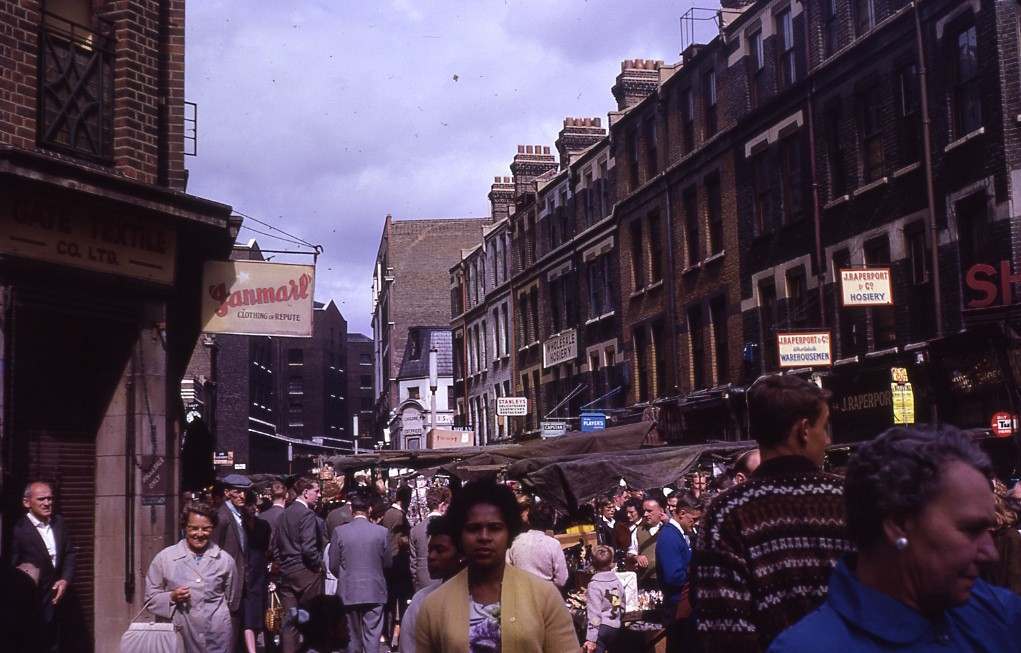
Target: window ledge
<point x="882" y="352"/>
<point x="872" y="185"/>
<point x="637" y="292"/>
<point x="654" y="285"/>
<point x="505" y="357"/>
<point x="908" y="169"/>
<point x="964" y="139"/>
<point x="528" y="346"/>
<point x="715" y="257"/>
<point x="694" y="267"/>
<point x="836" y="201"/>
<point x="599" y="318"/>
<point x="845" y="361"/>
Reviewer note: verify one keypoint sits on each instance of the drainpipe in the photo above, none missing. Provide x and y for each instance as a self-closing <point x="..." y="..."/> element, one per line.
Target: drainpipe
<point x="923" y="87"/>
<point x="820" y="269"/>
<point x="671" y="300"/>
<point x="163" y="110"/>
<point x="129" y="484"/>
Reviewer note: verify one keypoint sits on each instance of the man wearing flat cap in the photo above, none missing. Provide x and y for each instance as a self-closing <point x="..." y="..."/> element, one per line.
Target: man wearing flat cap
<point x="230" y="534"/>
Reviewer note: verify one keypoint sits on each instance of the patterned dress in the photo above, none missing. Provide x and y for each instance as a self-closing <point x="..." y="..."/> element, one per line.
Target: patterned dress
<point x="483" y="627"/>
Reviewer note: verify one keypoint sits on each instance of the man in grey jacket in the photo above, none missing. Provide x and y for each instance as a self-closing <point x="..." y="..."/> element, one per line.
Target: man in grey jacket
<point x="359" y="552"/>
<point x="436" y="500"/>
<point x="296" y="549"/>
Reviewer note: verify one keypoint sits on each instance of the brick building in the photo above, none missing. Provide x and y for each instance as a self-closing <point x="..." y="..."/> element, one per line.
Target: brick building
<point x="413" y="420"/>
<point x="360" y="398"/>
<point x="410" y="284"/>
<point x="744" y="178"/>
<point x="101" y="255"/>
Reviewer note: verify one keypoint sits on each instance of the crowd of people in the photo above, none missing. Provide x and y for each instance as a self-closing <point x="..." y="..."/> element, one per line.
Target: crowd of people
<point x="913" y="546"/>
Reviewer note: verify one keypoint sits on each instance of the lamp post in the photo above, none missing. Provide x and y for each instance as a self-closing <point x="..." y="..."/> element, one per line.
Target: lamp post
<point x="433" y="384"/>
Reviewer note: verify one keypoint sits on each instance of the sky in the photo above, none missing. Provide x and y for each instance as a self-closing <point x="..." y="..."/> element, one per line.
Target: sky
<point x="321" y="117"/>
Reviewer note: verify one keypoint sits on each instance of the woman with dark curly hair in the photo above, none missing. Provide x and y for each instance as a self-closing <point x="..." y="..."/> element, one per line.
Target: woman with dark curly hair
<point x="921" y="511"/>
<point x="192" y="583"/>
<point x="491" y="606"/>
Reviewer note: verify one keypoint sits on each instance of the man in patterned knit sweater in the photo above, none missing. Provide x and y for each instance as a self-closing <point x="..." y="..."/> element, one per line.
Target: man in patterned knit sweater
<point x="766" y="547"/>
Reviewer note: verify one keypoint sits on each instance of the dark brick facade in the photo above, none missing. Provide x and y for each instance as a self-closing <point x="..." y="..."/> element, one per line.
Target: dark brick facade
<point x="360" y="398"/>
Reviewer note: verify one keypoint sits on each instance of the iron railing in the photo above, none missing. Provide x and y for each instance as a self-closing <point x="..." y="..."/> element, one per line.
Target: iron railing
<point x="75" y="107"/>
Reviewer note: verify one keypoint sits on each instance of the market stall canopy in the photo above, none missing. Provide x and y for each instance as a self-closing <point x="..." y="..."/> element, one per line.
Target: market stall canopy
<point x="571" y="480"/>
<point x="616" y="438"/>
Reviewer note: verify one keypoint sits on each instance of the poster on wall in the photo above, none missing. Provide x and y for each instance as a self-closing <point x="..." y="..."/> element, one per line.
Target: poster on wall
<point x="256" y="298"/>
<point x="804" y="349"/>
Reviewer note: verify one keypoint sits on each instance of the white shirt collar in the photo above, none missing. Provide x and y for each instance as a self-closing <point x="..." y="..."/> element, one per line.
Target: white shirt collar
<point x="233" y="509"/>
<point x="302" y="502"/>
<point x="38" y="522"/>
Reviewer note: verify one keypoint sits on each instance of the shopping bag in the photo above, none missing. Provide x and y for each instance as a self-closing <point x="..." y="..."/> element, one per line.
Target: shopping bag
<point x="274" y="613"/>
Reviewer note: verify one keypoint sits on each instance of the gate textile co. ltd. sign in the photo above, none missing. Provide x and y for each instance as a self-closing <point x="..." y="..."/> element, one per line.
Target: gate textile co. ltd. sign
<point x="257" y="298"/>
<point x="866" y="287"/>
<point x="804" y="349"/>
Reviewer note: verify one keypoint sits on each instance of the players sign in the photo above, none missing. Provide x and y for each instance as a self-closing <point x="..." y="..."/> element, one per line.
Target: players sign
<point x="257" y="299"/>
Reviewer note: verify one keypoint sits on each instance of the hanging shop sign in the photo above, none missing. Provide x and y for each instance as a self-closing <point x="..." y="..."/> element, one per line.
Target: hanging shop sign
<point x="449" y="439"/>
<point x="86" y="236"/>
<point x="512" y="406"/>
<point x="225" y="458"/>
<point x="593" y="422"/>
<point x="866" y="287"/>
<point x="553" y="429"/>
<point x="804" y="349"/>
<point x="561" y="348"/>
<point x="256" y="298"/>
<point x="1004" y="424"/>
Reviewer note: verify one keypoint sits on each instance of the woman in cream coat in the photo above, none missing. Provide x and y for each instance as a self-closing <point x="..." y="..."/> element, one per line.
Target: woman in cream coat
<point x="491" y="606"/>
<point x="192" y="583"/>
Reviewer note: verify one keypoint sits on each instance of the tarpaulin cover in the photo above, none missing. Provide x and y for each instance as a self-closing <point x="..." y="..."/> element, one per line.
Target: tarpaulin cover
<point x="576" y="479"/>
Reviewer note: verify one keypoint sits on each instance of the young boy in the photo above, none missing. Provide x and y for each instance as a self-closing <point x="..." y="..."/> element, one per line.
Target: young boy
<point x="605" y="602"/>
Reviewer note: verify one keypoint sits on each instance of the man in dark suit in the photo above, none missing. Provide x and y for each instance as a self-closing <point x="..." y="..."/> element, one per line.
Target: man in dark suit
<point x="359" y="553"/>
<point x="229" y="534"/>
<point x="278" y="494"/>
<point x="41" y="540"/>
<point x="296" y="549"/>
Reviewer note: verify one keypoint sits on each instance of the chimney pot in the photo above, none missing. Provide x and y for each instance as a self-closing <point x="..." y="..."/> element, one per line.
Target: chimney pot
<point x="545" y="149"/>
<point x="521" y="149"/>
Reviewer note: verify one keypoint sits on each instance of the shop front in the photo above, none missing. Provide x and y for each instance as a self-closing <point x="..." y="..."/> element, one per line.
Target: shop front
<point x="99" y="309"/>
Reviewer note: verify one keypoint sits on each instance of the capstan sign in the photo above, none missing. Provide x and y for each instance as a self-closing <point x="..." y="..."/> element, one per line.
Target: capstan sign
<point x="257" y="298"/>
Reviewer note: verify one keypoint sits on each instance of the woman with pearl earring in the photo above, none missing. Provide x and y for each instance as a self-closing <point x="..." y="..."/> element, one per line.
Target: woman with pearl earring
<point x="920" y="509"/>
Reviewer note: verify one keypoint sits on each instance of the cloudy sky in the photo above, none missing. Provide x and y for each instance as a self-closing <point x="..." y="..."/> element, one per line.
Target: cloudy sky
<point x="323" y="116"/>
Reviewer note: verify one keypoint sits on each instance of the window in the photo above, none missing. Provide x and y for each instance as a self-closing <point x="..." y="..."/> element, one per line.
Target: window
<point x="596" y="377"/>
<point x="718" y="316"/>
<point x="687" y="120"/>
<point x="651" y="152"/>
<point x="604" y="189"/>
<point x="756" y="64"/>
<point x="797" y="298"/>
<point x="845" y="319"/>
<point x="696" y="340"/>
<point x="691" y="245"/>
<point x="834" y="154"/>
<point x="967" y="103"/>
<point x="909" y="124"/>
<point x="786" y="64"/>
<point x="413" y="392"/>
<point x="872" y="163"/>
<point x="366" y="403"/>
<point x="365" y="382"/>
<point x="767" y="320"/>
<point x="589" y="205"/>
<point x="556" y="302"/>
<point x="884" y="322"/>
<point x="659" y="359"/>
<point x="451" y="398"/>
<point x="484" y="338"/>
<point x="709" y="96"/>
<point x="599" y="287"/>
<point x="533" y="303"/>
<point x="864" y="16"/>
<point x="791" y="187"/>
<point x="364" y="359"/>
<point x="505" y="331"/>
<point x="497" y="335"/>
<point x="831" y="28"/>
<point x="641" y="362"/>
<point x="632" y="159"/>
<point x="637" y="257"/>
<point x="295" y="356"/>
<point x="655" y="240"/>
<point x="918" y="253"/>
<point x="973" y="231"/>
<point x="295" y="386"/>
<point x="760" y="189"/>
<point x="714" y="209"/>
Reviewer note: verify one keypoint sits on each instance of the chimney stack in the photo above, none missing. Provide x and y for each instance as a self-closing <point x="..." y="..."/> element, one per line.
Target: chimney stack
<point x="578" y="135"/>
<point x="638" y="79"/>
<point x="530" y="162"/>
<point x="501" y="198"/>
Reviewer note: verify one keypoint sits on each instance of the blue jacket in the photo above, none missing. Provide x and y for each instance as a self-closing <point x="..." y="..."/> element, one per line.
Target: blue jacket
<point x="858" y="619"/>
<point x="673" y="555"/>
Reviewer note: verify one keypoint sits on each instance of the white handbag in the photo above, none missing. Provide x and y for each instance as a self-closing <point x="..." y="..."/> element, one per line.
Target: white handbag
<point x="152" y="636"/>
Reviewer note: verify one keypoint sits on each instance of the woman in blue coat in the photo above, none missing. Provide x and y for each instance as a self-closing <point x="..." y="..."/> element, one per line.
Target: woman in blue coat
<point x="921" y="510"/>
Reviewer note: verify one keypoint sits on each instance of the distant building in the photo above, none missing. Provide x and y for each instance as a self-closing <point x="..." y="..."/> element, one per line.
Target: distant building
<point x="360" y="397"/>
<point x="412" y="419"/>
<point x="410" y="286"/>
